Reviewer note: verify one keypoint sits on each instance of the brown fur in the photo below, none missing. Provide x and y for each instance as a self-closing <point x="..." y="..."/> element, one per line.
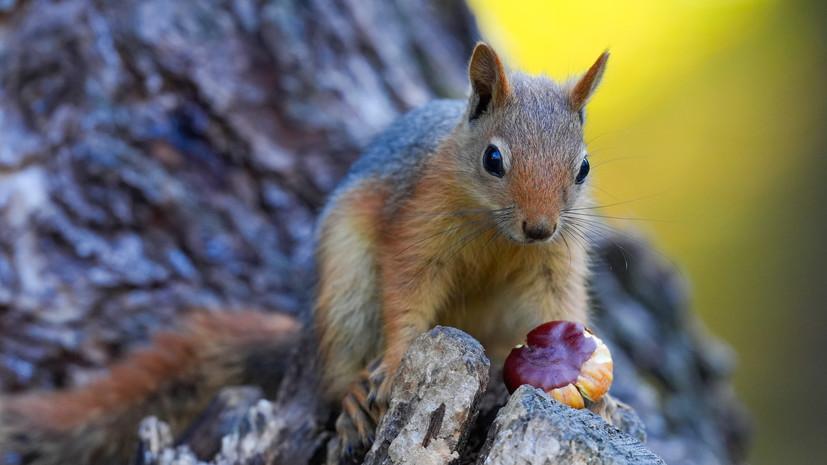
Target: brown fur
<point x="174" y="379"/>
<point x="346" y="345"/>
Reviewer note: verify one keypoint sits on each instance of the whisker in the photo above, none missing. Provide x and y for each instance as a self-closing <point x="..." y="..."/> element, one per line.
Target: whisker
<point x="629" y="218"/>
<point x="576" y="234"/>
<point x="568" y="251"/>
<point x="465" y="244"/>
<point x="604" y="134"/>
<point x="605" y="231"/>
<point x="459" y="213"/>
<point x="498" y="232"/>
<point x="570" y="233"/>
<point x="610" y="160"/>
<point x="584" y="235"/>
<point x="453" y="228"/>
<point x="462" y="242"/>
<point x="601" y="226"/>
<point x="618" y="203"/>
<point x="594" y="186"/>
<point x="448" y="214"/>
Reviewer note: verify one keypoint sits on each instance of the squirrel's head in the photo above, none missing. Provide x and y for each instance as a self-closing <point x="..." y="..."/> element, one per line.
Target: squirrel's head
<point x="521" y="141"/>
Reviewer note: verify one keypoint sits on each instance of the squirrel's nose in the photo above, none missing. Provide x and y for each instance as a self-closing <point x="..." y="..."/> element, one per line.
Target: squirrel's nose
<point x="538" y="231"/>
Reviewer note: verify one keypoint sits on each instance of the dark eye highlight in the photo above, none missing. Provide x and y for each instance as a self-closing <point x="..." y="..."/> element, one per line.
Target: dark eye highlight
<point x="492" y="161"/>
<point x="584" y="171"/>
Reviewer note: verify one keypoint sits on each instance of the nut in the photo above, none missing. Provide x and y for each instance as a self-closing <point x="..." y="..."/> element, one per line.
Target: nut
<point x="563" y="359"/>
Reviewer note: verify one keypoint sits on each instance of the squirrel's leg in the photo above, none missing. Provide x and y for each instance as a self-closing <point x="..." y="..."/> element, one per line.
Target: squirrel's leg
<point x="347" y="309"/>
<point x="412" y="293"/>
<point x="415" y="287"/>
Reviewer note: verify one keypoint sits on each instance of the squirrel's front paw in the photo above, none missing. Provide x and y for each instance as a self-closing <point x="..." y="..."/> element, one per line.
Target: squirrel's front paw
<point x="355" y="428"/>
<point x="362" y="409"/>
<point x="379" y="393"/>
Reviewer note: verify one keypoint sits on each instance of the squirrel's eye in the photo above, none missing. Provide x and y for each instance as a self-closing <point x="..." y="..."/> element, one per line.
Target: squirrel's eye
<point x="492" y="161"/>
<point x="584" y="171"/>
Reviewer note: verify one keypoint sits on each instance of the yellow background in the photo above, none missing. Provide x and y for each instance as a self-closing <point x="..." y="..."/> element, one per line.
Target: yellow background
<point x="711" y="118"/>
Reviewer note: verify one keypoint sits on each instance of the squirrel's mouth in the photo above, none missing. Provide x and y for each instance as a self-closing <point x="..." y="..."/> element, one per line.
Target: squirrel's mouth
<point x="537" y="232"/>
<point x="516" y="235"/>
<point x="538" y="241"/>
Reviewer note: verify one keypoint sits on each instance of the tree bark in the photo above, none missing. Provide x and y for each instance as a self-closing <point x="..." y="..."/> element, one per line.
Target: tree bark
<point x="158" y="156"/>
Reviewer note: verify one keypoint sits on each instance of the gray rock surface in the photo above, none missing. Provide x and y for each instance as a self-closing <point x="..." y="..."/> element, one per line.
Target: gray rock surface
<point x="533" y="429"/>
<point x="434" y="400"/>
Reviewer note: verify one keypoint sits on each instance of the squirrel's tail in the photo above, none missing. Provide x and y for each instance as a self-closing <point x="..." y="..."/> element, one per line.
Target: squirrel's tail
<point x="174" y="379"/>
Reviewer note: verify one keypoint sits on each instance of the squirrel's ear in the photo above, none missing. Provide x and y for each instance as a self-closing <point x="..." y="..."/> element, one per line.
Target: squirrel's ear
<point x="585" y="87"/>
<point x="488" y="81"/>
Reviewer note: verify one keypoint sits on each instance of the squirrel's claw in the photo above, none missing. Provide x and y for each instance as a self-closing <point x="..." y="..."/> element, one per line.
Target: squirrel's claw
<point x="378" y="390"/>
<point x="362" y="408"/>
<point x="355" y="425"/>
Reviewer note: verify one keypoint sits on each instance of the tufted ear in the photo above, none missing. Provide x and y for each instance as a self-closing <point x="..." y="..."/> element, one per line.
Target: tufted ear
<point x="488" y="82"/>
<point x="585" y="87"/>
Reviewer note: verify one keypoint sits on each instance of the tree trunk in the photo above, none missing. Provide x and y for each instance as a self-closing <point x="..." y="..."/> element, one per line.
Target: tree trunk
<point x="158" y="156"/>
<point x="162" y="155"/>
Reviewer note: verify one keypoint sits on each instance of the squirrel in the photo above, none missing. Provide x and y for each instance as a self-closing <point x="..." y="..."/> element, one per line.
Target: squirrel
<point x="461" y="214"/>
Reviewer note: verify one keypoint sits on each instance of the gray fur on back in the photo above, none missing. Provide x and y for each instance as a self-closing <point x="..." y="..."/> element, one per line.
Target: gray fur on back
<point x="404" y="146"/>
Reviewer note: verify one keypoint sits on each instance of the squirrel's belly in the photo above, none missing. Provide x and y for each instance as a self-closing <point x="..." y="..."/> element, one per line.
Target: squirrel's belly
<point x="498" y="315"/>
<point x="494" y="300"/>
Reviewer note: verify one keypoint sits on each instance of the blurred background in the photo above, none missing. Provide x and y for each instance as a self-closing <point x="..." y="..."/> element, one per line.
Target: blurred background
<point x="708" y="131"/>
<point x="161" y="156"/>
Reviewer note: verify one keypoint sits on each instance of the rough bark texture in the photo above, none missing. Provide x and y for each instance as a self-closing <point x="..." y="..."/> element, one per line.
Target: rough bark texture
<point x="221" y="418"/>
<point x="157" y="156"/>
<point x="243" y="430"/>
<point x="535" y="429"/>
